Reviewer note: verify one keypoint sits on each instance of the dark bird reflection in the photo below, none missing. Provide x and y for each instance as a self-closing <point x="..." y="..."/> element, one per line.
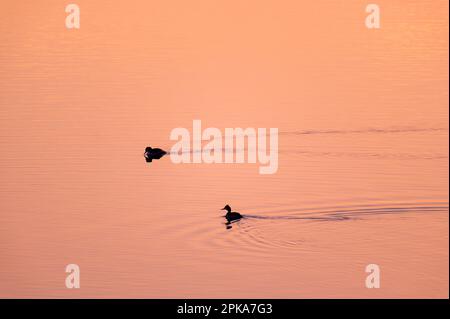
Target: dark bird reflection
<point x="153" y="153"/>
<point x="231" y="217"/>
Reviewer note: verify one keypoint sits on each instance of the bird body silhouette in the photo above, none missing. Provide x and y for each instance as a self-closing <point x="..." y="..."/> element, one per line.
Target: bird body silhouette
<point x="153" y="153"/>
<point x="231" y="216"/>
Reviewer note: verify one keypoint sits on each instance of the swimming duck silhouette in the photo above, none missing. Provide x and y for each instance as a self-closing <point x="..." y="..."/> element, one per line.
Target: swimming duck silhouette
<point x="153" y="153"/>
<point x="231" y="216"/>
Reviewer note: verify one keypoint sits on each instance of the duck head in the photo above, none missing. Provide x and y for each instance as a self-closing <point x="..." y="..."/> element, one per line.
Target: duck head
<point x="227" y="208"/>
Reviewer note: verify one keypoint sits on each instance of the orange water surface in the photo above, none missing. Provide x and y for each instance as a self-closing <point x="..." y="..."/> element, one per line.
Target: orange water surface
<point x="363" y="168"/>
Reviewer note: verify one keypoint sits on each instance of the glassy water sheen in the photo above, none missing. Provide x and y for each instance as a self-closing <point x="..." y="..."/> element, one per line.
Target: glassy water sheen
<point x="363" y="149"/>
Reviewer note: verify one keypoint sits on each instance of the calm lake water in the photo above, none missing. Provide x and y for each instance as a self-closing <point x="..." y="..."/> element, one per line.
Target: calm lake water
<point x="363" y="149"/>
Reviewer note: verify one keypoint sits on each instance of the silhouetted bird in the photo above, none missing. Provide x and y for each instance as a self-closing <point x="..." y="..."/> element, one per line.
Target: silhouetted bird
<point x="153" y="153"/>
<point x="231" y="216"/>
